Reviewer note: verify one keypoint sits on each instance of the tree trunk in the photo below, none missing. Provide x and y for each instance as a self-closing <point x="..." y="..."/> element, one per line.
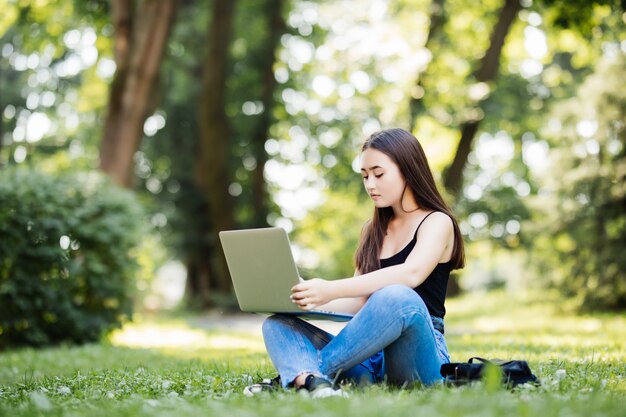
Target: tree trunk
<point x="212" y="164"/>
<point x="276" y="27"/>
<point x="453" y="179"/>
<point x="487" y="72"/>
<point x="140" y="40"/>
<point x="438" y="19"/>
<point x="198" y="247"/>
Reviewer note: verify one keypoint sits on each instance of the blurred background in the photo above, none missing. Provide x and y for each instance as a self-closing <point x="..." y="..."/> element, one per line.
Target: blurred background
<point x="211" y="115"/>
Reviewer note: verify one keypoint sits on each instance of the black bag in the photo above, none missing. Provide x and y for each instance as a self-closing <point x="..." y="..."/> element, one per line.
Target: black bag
<point x="514" y="372"/>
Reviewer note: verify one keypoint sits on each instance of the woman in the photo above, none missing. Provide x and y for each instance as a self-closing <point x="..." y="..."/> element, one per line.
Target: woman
<point x="403" y="264"/>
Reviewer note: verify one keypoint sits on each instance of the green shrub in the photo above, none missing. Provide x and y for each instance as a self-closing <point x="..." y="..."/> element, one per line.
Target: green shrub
<point x="66" y="257"/>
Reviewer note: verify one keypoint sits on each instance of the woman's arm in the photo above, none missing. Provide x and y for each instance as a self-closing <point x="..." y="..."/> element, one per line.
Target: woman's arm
<point x="344" y="305"/>
<point x="433" y="242"/>
<point x="350" y="305"/>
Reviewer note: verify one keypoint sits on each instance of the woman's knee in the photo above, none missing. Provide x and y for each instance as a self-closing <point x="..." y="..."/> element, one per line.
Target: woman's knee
<point x="396" y="293"/>
<point x="395" y="299"/>
<point x="274" y="322"/>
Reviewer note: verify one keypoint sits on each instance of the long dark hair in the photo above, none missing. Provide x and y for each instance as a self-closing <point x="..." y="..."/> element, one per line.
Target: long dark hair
<point x="407" y="153"/>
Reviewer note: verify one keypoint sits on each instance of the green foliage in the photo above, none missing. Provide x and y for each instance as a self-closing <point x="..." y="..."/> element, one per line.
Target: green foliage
<point x="584" y="197"/>
<point x="332" y="232"/>
<point x="51" y="76"/>
<point x="343" y="69"/>
<point x="66" y="257"/>
<point x="164" y="170"/>
<point x="580" y="13"/>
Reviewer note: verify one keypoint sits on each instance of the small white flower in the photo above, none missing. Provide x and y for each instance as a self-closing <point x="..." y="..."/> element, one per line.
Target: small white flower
<point x="40" y="401"/>
<point x="166" y="384"/>
<point x="64" y="390"/>
<point x="560" y="374"/>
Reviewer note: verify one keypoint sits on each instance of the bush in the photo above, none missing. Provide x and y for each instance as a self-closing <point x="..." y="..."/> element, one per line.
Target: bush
<point x="66" y="264"/>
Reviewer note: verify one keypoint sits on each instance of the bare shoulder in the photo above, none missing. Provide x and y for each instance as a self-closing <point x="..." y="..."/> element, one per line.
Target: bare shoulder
<point x="436" y="238"/>
<point x="439" y="221"/>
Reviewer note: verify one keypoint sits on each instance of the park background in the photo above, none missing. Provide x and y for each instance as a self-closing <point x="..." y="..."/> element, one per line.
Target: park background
<point x="131" y="132"/>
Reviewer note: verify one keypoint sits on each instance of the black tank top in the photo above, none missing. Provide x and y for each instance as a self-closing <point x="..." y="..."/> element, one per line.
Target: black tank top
<point x="433" y="289"/>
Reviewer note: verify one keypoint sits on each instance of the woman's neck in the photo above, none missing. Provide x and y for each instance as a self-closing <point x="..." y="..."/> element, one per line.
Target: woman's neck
<point x="407" y="208"/>
<point x="401" y="217"/>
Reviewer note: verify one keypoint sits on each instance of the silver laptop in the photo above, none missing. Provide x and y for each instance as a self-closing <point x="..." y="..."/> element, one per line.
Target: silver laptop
<point x="263" y="271"/>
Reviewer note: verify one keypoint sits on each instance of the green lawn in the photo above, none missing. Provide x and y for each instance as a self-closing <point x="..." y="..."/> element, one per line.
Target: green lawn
<point x="166" y="367"/>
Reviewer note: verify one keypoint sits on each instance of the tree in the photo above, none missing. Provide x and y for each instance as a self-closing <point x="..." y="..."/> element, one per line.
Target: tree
<point x="275" y="28"/>
<point x="438" y="20"/>
<point x="486" y="72"/>
<point x="212" y="168"/>
<point x="581" y="210"/>
<point x="140" y="39"/>
<point x="228" y="139"/>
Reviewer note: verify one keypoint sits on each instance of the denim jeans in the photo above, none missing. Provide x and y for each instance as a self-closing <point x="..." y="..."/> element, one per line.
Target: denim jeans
<point x="391" y="338"/>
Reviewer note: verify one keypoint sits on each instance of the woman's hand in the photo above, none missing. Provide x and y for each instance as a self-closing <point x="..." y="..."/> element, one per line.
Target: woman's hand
<point x="312" y="293"/>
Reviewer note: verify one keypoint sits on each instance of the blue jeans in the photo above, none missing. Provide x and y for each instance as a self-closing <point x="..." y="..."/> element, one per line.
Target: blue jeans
<point x="391" y="338"/>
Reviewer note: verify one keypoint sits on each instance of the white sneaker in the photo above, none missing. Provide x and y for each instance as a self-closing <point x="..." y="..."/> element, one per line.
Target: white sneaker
<point x="267" y="385"/>
<point x="318" y="387"/>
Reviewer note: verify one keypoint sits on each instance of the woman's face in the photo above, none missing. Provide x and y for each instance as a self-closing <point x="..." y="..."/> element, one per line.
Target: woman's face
<point x="382" y="178"/>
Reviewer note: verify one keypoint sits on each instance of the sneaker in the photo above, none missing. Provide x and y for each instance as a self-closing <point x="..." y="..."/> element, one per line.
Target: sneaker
<point x="320" y="388"/>
<point x="267" y="385"/>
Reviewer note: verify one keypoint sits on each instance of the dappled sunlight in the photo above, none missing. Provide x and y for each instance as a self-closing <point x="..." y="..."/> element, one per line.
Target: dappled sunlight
<point x="501" y="311"/>
<point x="179" y="339"/>
<point x="546" y="345"/>
<point x="492" y="324"/>
<point x="151" y="336"/>
<point x="532" y="323"/>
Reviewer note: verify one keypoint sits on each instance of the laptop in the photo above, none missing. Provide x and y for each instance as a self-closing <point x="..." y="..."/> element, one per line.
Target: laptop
<point x="263" y="271"/>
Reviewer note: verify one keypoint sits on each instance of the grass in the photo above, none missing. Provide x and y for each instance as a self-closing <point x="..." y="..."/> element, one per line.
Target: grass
<point x="167" y="367"/>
